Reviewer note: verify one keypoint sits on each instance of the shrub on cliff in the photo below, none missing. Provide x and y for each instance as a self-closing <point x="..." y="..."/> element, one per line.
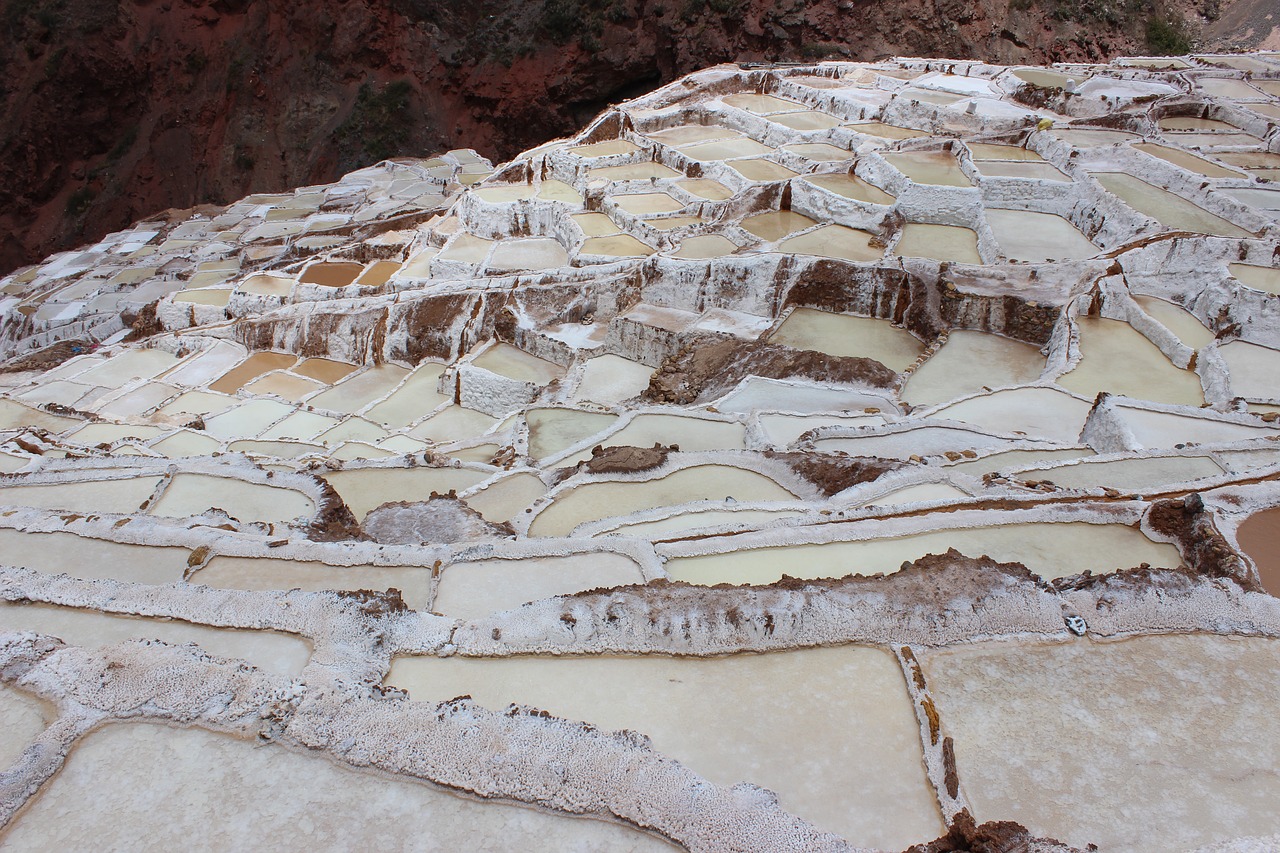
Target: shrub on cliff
<point x="378" y="126"/>
<point x="1167" y="34"/>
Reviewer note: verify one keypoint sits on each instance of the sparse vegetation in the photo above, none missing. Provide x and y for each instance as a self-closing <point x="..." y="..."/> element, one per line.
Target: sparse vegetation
<point x="695" y="8"/>
<point x="81" y="17"/>
<point x="123" y="144"/>
<point x="817" y="50"/>
<point x="564" y="20"/>
<point x="79" y="201"/>
<point x="54" y="61"/>
<point x="618" y="11"/>
<point x="378" y="126"/>
<point x="195" y="62"/>
<point x="567" y="20"/>
<point x="1110" y="12"/>
<point x="1167" y="34"/>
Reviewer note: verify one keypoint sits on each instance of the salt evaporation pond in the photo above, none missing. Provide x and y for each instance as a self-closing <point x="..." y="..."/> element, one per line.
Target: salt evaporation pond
<point x="251" y="368"/>
<point x="852" y="187"/>
<point x="784" y="429"/>
<point x="1034" y="412"/>
<point x="1025" y="235"/>
<point x="930" y="167"/>
<point x="596" y="500"/>
<point x="915" y="442"/>
<point x="415" y="398"/>
<point x="1116" y="358"/>
<point x="82" y="557"/>
<point x="513" y="363"/>
<point x="687" y="433"/>
<point x="1166" y="208"/>
<point x="360" y="389"/>
<point x="331" y="274"/>
<point x="1253" y="369"/>
<point x="848" y="335"/>
<point x="969" y="362"/>
<point x="476" y="589"/>
<point x="831" y="730"/>
<point x="363" y="489"/>
<point x="554" y="430"/>
<point x="192" y="494"/>
<point x="834" y="241"/>
<point x="1167" y="429"/>
<point x="1181" y="322"/>
<point x="275" y="652"/>
<point x="756" y="394"/>
<point x="1092" y="137"/>
<point x="1181" y="716"/>
<point x="121" y="496"/>
<point x="24" y="717"/>
<point x="1266" y="279"/>
<point x="1126" y="475"/>
<point x="940" y="242"/>
<point x="1020" y="169"/>
<point x="611" y="379"/>
<point x="136" y="785"/>
<point x="776" y="224"/>
<point x="704" y="247"/>
<point x="1051" y="550"/>
<point x="697" y="519"/>
<point x="502" y="499"/>
<point x="257" y="573"/>
<point x="885" y="131"/>
<point x="453" y="423"/>
<point x="1186" y="160"/>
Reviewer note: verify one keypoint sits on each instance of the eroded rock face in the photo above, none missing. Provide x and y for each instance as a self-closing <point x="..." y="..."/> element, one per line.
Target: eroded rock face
<point x="706" y="369"/>
<point x="771" y="466"/>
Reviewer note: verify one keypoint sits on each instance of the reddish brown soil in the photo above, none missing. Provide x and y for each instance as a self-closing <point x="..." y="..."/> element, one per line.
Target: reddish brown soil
<point x="49" y="357"/>
<point x="968" y="836"/>
<point x="626" y="460"/>
<point x="834" y="474"/>
<point x="111" y="110"/>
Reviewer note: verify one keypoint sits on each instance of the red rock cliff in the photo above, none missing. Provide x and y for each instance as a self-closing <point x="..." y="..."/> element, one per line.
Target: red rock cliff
<point x="115" y="109"/>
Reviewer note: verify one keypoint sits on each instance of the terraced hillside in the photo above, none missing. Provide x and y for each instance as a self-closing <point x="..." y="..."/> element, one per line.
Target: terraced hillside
<point x="824" y="457"/>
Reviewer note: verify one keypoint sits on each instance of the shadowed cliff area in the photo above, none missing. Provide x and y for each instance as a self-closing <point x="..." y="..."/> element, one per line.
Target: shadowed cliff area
<point x="112" y="110"/>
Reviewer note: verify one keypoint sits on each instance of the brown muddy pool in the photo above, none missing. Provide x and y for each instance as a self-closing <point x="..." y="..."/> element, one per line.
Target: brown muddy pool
<point x="1259" y="537"/>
